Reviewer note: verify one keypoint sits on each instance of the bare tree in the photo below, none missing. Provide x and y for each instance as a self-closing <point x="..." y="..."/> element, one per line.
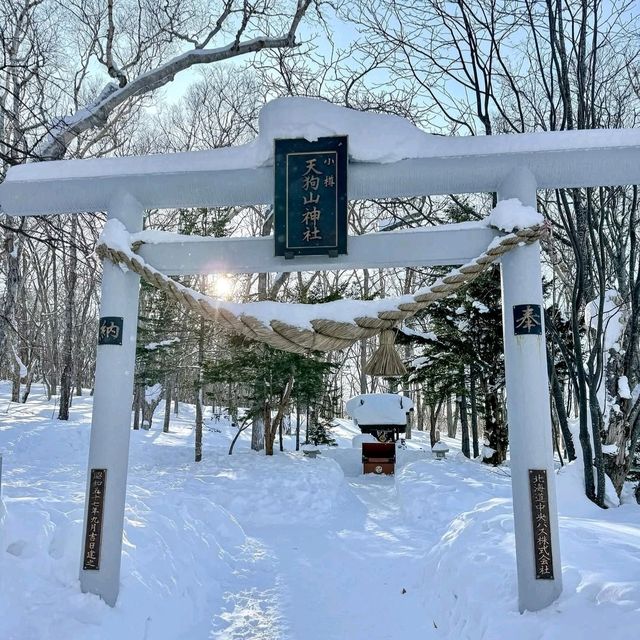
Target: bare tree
<point x="497" y="66"/>
<point x="130" y="38"/>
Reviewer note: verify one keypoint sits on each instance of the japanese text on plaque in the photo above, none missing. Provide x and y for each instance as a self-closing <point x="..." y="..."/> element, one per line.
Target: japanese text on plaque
<point x="319" y="171"/>
<point x="110" y="330"/>
<point x="527" y="319"/>
<point x="541" y="524"/>
<point x="97" y="486"/>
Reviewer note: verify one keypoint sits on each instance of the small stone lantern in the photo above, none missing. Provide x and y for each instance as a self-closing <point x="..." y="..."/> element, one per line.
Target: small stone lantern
<point x="440" y="449"/>
<point x="310" y="450"/>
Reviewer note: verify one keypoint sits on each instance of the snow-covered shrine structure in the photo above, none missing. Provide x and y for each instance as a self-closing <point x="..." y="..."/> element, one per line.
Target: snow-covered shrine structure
<point x="380" y="414"/>
<point x="389" y="157"/>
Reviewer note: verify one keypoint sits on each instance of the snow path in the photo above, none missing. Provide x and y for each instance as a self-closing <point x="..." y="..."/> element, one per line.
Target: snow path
<point x="250" y="547"/>
<point x="349" y="572"/>
<point x="254" y="609"/>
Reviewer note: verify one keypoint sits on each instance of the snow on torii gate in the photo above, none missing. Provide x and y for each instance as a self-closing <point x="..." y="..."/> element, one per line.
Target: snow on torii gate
<point x="390" y="158"/>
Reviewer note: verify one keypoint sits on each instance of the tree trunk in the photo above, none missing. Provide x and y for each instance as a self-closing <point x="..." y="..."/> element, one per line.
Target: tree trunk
<point x="558" y="402"/>
<point x="199" y="394"/>
<point x="433" y="431"/>
<point x="495" y="431"/>
<point x="452" y="418"/>
<point x="619" y="430"/>
<point x="434" y="412"/>
<point x="198" y="426"/>
<point x="168" y="390"/>
<point x="149" y="408"/>
<point x="268" y="427"/>
<point x="12" y="249"/>
<point x="232" y="404"/>
<point x="236" y="436"/>
<point x="47" y="385"/>
<point x="27" y="386"/>
<point x="257" y="432"/>
<point x="408" y="353"/>
<point x="596" y="429"/>
<point x="271" y="425"/>
<point x="66" y="380"/>
<point x="464" y="423"/>
<point x="15" y="383"/>
<point x="363" y="361"/>
<point x="364" y="388"/>
<point x="137" y="405"/>
<point x="297" y="427"/>
<point x="474" y="413"/>
<point x="54" y="353"/>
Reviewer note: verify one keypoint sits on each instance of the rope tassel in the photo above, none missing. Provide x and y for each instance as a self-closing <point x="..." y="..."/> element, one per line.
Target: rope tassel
<point x="386" y="362"/>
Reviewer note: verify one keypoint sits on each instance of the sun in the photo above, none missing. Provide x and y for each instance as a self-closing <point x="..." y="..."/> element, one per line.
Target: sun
<point x="221" y="285"/>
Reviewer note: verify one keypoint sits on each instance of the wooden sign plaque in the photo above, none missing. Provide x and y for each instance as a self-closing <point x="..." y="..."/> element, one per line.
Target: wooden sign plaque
<point x="310" y="200"/>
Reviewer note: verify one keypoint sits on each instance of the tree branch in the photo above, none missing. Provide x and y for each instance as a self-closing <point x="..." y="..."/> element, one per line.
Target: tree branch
<point x="97" y="113"/>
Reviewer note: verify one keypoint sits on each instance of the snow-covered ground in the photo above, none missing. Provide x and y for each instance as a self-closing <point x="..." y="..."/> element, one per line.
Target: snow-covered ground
<point x="248" y="547"/>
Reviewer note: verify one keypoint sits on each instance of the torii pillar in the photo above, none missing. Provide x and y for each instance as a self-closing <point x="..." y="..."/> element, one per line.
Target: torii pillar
<point x="529" y="414"/>
<point x="111" y="419"/>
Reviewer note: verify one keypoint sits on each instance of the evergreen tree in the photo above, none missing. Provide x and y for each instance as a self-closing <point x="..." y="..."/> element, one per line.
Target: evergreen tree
<point x="274" y="377"/>
<point x="466" y="332"/>
<point x="156" y="350"/>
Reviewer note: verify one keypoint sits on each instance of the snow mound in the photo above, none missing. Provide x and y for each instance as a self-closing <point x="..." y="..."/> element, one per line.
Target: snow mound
<point x="379" y="409"/>
<point x="169" y="559"/>
<point x="299" y="117"/>
<point x="261" y="491"/>
<point x="509" y="215"/>
<point x="570" y="491"/>
<point x="430" y="490"/>
<point x="470" y="579"/>
<point x="475" y="557"/>
<point x="361" y="438"/>
<point x="570" y="485"/>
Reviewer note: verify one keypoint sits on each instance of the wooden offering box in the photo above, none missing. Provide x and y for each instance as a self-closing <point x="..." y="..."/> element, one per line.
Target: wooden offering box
<point x="379" y="457"/>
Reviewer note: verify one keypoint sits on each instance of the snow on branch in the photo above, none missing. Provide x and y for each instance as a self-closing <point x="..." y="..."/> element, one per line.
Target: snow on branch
<point x="112" y="96"/>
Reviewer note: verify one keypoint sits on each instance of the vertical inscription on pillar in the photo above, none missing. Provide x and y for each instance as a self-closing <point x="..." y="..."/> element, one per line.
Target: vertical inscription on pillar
<point x="541" y="525"/>
<point x="97" y="486"/>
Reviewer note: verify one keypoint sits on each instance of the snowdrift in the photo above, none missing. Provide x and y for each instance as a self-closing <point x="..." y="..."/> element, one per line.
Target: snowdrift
<point x="245" y="546"/>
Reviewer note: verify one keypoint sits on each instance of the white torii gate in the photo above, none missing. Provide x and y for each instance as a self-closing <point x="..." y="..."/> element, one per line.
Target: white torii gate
<point x="514" y="166"/>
